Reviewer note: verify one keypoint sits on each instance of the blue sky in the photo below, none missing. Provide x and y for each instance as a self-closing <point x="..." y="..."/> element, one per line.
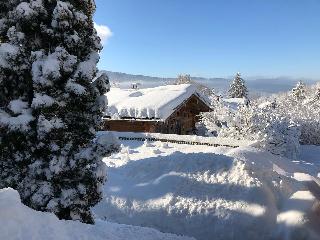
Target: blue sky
<point x="212" y="38"/>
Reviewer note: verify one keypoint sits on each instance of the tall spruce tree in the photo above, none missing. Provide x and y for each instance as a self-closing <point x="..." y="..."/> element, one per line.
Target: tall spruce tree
<point x="238" y="88"/>
<point x="51" y="104"/>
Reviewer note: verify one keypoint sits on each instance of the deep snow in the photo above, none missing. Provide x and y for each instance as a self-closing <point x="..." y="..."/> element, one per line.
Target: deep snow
<point x="208" y="192"/>
<point x="18" y="222"/>
<point x="200" y="191"/>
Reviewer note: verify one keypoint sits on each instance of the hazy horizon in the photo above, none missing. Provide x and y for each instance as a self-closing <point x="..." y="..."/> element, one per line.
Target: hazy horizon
<point x="249" y="78"/>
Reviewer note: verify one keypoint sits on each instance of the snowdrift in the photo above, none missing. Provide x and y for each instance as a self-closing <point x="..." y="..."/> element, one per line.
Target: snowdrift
<point x="208" y="193"/>
<point x="19" y="222"/>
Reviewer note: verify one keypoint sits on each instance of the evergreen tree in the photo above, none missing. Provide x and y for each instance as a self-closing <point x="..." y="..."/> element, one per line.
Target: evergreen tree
<point x="299" y="91"/>
<point x="238" y="88"/>
<point x="51" y="104"/>
<point x="15" y="99"/>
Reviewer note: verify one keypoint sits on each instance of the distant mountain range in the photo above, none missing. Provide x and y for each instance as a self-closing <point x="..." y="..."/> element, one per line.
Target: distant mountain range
<point x="256" y="86"/>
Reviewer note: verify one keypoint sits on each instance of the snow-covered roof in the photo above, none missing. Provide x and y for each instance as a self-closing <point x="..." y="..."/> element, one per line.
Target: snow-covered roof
<point x="149" y="103"/>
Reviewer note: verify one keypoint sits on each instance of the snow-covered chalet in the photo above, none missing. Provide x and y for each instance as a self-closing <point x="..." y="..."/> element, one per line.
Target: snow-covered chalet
<point x="171" y="109"/>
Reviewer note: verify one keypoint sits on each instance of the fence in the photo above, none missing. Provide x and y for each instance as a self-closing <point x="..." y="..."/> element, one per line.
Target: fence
<point x="181" y="139"/>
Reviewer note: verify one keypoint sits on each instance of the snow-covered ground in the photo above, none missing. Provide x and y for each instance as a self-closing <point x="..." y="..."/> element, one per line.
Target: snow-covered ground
<point x="213" y="193"/>
<point x="18" y="222"/>
<point x="192" y="190"/>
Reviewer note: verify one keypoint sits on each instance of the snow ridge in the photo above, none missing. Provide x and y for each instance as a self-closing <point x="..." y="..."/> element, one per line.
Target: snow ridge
<point x="20" y="223"/>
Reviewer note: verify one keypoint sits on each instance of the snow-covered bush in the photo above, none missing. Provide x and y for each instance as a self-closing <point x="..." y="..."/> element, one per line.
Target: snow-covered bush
<point x="220" y="118"/>
<point x="302" y="107"/>
<point x="51" y="104"/>
<point x="273" y="132"/>
<point x="279" y="122"/>
<point x="316" y="97"/>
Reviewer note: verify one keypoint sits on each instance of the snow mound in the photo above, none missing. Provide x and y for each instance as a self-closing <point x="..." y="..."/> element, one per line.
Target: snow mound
<point x="18" y="222"/>
<point x="200" y="192"/>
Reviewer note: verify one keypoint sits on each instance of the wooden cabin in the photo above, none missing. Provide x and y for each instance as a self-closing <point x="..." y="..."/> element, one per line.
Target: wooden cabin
<point x="171" y="109"/>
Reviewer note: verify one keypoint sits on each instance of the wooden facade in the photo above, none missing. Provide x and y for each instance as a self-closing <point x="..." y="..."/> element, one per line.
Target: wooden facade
<point x="132" y="125"/>
<point x="182" y="121"/>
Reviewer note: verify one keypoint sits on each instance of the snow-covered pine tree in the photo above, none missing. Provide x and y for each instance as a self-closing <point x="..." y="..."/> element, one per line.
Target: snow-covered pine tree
<point x="238" y="88"/>
<point x="15" y="92"/>
<point x="49" y="56"/>
<point x="299" y="91"/>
